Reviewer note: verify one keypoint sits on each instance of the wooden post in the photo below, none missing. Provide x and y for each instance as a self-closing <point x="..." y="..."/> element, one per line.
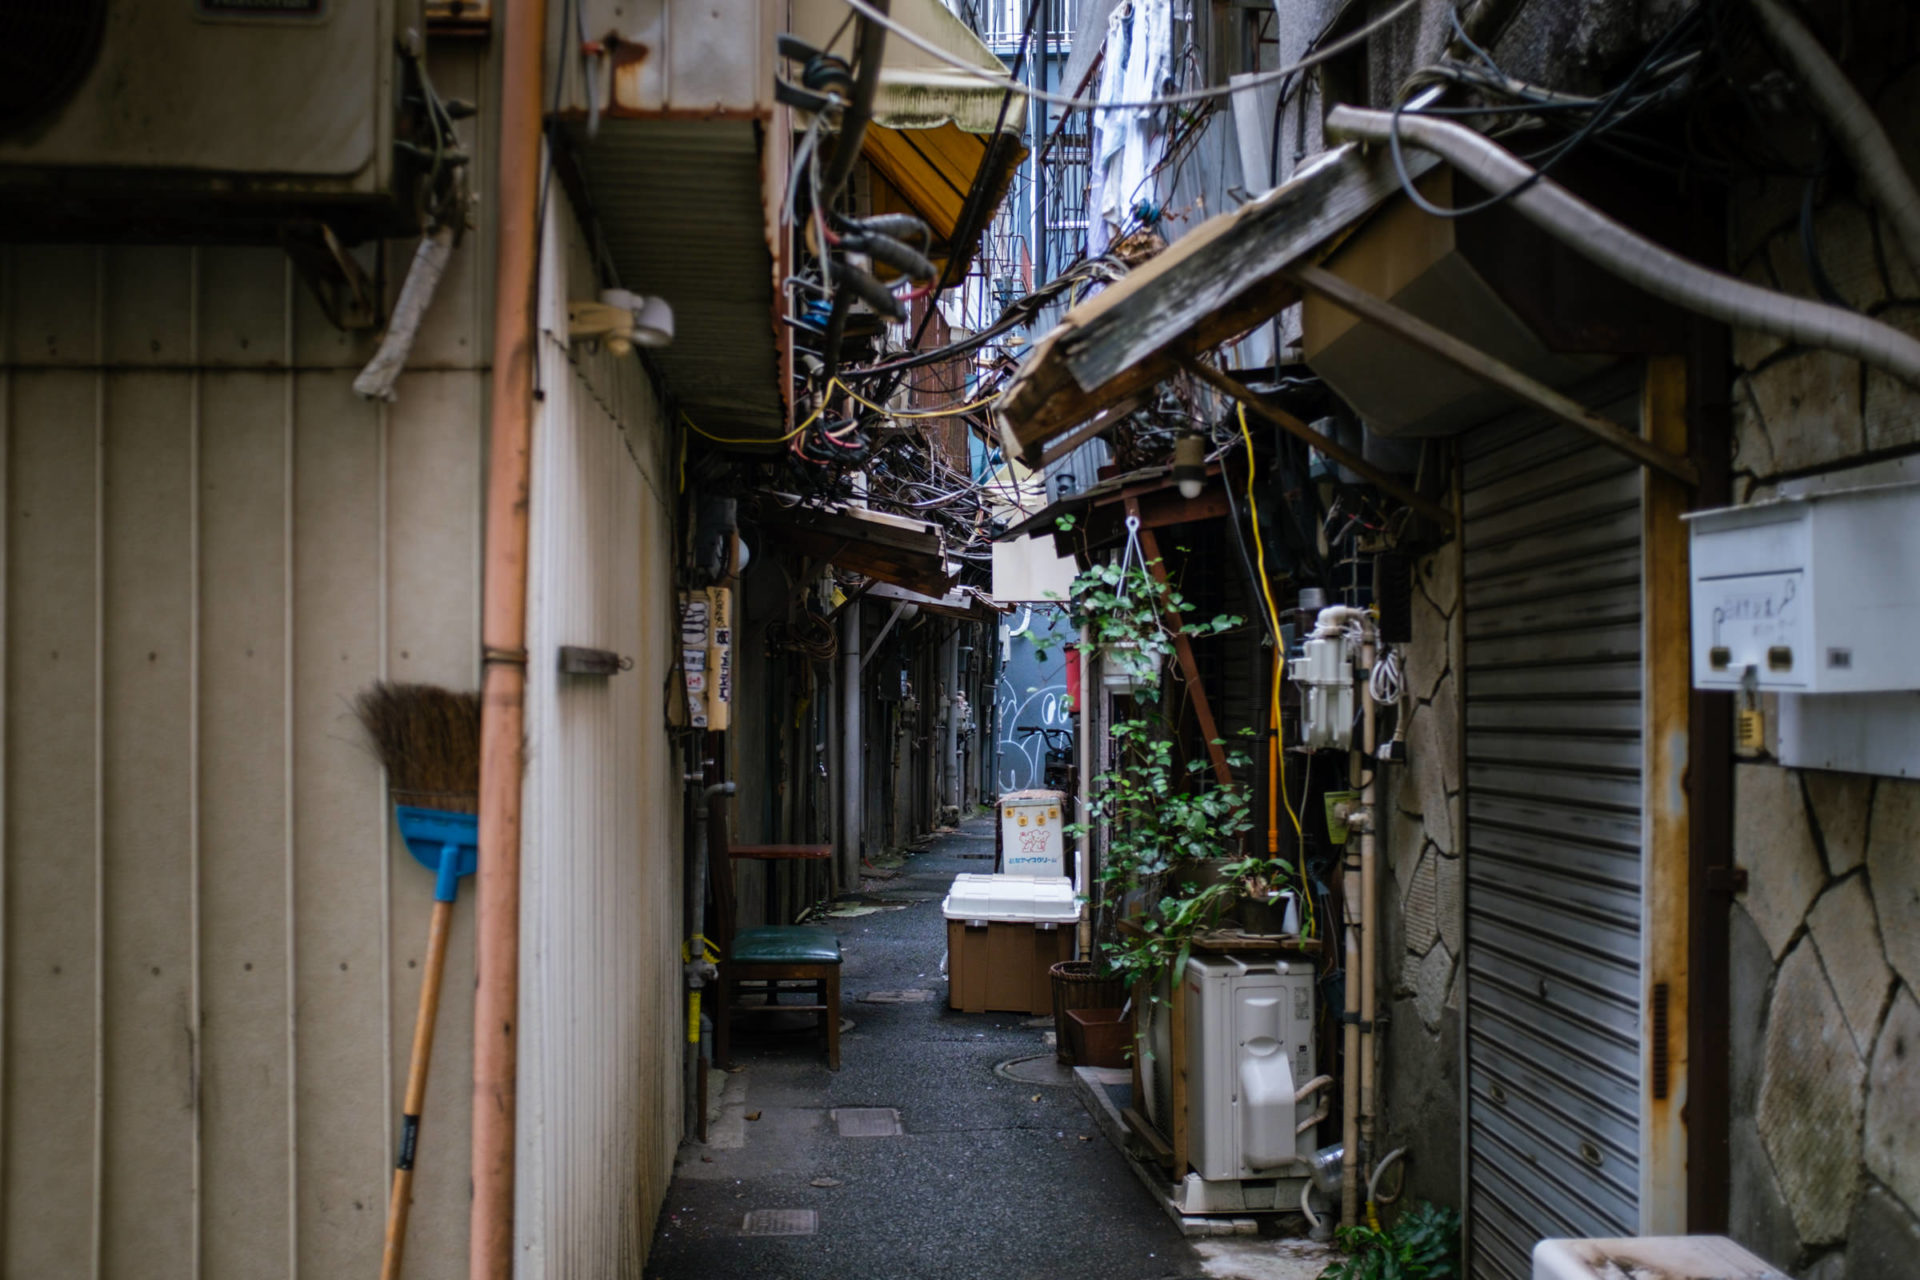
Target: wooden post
<point x="1183" y="649"/>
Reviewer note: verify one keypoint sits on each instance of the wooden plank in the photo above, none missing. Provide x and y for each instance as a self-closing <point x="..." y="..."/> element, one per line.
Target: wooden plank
<point x="1477" y="363"/>
<point x="1101" y="421"/>
<point x="1183" y="649"/>
<point x="1143" y="1129"/>
<point x="1212" y="285"/>
<point x="1667" y="706"/>
<point x="1230" y="387"/>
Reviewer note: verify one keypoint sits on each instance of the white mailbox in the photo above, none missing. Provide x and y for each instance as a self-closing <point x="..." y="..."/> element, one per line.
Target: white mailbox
<point x="1815" y="592"/>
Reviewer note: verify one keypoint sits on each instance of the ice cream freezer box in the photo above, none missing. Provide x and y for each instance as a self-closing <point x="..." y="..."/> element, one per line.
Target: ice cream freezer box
<point x="1004" y="935"/>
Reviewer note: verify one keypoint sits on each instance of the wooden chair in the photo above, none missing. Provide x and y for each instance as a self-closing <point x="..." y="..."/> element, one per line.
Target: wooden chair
<point x="761" y="959"/>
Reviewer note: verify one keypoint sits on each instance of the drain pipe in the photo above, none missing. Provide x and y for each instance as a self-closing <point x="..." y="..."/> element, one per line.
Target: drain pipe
<point x="852" y="811"/>
<point x="1369" y="902"/>
<point x="1359" y="912"/>
<point x="1635" y="259"/>
<point x="1854" y="125"/>
<point x="699" y="970"/>
<point x="496" y="1003"/>
<point x="951" y="746"/>
<point x="1083" y="844"/>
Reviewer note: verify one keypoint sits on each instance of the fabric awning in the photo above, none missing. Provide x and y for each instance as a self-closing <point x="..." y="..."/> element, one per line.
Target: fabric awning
<point x="934" y="127"/>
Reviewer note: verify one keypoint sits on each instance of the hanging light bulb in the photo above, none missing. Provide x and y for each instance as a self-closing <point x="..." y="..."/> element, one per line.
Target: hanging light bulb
<point x="1190" y="465"/>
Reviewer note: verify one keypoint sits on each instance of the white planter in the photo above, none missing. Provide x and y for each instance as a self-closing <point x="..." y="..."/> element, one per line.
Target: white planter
<point x="1126" y="669"/>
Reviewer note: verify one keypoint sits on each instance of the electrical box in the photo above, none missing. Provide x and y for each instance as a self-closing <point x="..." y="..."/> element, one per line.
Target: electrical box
<point x="1814" y="592"/>
<point x="1250" y="1046"/>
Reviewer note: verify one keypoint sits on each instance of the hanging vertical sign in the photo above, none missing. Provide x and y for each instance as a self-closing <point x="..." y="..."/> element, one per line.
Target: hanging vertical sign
<point x="696" y="627"/>
<point x="719" y="657"/>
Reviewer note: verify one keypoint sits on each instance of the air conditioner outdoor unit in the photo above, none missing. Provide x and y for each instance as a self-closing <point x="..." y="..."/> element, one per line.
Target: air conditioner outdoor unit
<point x="1669" y="1257"/>
<point x="189" y="118"/>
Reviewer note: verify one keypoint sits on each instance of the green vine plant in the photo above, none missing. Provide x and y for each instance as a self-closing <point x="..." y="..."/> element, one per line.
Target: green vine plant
<point x="1162" y="817"/>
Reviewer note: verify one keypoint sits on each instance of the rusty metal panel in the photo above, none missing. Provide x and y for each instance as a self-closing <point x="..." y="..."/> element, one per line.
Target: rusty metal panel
<point x="660" y="58"/>
<point x="1555" y="763"/>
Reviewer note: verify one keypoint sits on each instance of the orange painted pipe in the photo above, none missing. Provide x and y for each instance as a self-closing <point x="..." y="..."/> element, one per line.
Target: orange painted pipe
<point x="504" y="636"/>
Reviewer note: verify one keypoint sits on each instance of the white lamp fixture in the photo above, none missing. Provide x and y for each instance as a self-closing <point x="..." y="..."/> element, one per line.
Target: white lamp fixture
<point x="1190" y="465"/>
<point x="622" y="320"/>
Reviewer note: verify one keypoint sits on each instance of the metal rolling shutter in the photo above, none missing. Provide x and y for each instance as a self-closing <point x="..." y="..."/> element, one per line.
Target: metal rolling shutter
<point x="1553" y="828"/>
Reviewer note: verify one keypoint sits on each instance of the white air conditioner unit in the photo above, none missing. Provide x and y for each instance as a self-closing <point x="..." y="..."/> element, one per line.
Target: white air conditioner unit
<point x="184" y="118"/>
<point x="1250" y="1049"/>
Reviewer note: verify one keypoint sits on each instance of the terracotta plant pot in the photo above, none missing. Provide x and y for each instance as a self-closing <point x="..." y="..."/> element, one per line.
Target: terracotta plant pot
<point x="1101" y="1037"/>
<point x="1075" y="987"/>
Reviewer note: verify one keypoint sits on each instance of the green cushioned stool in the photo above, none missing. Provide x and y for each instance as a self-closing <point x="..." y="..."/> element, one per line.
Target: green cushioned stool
<point x="761" y="959"/>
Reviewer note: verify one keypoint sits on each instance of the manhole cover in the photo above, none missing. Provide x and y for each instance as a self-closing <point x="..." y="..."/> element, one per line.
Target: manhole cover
<point x="867" y="1122"/>
<point x="780" y="1222"/>
<point x="1040" y="1068"/>
<point x="916" y="996"/>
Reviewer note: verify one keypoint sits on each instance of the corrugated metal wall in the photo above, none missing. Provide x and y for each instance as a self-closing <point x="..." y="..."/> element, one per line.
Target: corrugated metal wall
<point x="600" y="1093"/>
<point x="1554" y="837"/>
<point x="211" y="931"/>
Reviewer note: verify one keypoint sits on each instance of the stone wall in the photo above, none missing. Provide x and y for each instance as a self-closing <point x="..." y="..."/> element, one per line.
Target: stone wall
<point x="1421" y="902"/>
<point x="1825" y="1051"/>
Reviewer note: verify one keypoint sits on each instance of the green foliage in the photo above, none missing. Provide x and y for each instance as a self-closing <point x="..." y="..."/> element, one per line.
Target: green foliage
<point x="1160" y="816"/>
<point x="1423" y="1245"/>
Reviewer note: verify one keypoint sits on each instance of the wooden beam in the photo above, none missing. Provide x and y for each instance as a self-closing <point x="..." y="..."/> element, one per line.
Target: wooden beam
<point x="1232" y="388"/>
<point x="1104" y="419"/>
<point x="1183" y="649"/>
<point x="1209" y="287"/>
<point x="1476" y="363"/>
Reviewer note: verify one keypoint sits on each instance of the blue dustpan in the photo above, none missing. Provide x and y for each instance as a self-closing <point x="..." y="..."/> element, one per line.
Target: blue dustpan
<point x="447" y="844"/>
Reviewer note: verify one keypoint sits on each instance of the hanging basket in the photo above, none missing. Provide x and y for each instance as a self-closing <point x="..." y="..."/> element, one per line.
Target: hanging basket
<point x="1075" y="987"/>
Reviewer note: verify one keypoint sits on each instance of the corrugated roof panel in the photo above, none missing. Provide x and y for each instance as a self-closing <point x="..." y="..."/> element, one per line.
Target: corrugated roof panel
<point x="681" y="211"/>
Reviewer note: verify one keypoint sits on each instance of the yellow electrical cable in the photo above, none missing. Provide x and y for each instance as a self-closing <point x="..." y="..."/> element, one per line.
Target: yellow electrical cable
<point x="918" y="413"/>
<point x="701" y="431"/>
<point x="1266" y="589"/>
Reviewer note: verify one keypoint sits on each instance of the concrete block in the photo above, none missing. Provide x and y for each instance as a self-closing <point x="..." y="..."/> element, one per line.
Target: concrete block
<point x="1812" y="1099"/>
<point x="1893" y="1101"/>
<point x="1893" y="863"/>
<point x="1750" y="967"/>
<point x="1883" y="1240"/>
<point x="1750" y="346"/>
<point x="1845" y="237"/>
<point x="1757" y="1214"/>
<point x="1758" y="209"/>
<point x="1420" y="926"/>
<point x="1810" y="403"/>
<point x="1772" y="840"/>
<point x="1841" y="804"/>
<point x="1447" y="904"/>
<point x="1432" y="978"/>
<point x="1439" y="578"/>
<point x="1752" y="447"/>
<point x="1890" y="414"/>
<point x="1848" y="937"/>
<point x="1426" y="659"/>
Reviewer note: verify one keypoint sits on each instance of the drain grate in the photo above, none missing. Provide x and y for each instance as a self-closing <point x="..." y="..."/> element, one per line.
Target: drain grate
<point x="867" y="1122"/>
<point x="919" y="995"/>
<point x="780" y="1222"/>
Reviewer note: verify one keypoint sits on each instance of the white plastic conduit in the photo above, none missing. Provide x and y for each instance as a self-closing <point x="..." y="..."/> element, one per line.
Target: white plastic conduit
<point x="1854" y="125"/>
<point x="1600" y="239"/>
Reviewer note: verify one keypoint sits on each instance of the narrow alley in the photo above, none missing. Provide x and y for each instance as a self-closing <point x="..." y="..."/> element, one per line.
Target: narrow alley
<point x="993" y="1167"/>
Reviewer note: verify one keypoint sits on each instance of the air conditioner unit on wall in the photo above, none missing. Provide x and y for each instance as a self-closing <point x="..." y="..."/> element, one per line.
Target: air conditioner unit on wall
<point x="211" y="119"/>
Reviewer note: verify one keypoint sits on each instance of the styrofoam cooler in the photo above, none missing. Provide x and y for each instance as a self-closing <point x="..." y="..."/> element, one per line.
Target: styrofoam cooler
<point x="1004" y="934"/>
<point x="1031" y="840"/>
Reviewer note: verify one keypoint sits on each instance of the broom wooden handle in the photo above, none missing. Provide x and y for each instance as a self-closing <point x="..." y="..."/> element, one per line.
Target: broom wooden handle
<point x="402" y="1198"/>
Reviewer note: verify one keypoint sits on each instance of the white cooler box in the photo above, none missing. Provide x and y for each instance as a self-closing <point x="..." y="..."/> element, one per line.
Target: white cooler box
<point x="1004" y="933"/>
<point x="1031" y="842"/>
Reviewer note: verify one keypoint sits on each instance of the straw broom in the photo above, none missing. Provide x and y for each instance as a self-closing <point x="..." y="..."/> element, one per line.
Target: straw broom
<point x="429" y="740"/>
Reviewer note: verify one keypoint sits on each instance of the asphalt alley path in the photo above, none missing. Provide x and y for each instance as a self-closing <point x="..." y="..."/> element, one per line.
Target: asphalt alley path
<point x="988" y="1177"/>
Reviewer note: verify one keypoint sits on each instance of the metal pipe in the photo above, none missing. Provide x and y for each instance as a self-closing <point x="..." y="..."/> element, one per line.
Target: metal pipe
<point x="1369" y="903"/>
<point x="1855" y="127"/>
<point x="950" y="752"/>
<point x="1635" y="259"/>
<point x="870" y="50"/>
<point x="852" y="808"/>
<point x="496" y="1005"/>
<point x="697" y="968"/>
<point x="1083" y="809"/>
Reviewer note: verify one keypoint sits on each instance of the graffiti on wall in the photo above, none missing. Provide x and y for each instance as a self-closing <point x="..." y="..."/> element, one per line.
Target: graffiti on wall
<point x="1031" y="693"/>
